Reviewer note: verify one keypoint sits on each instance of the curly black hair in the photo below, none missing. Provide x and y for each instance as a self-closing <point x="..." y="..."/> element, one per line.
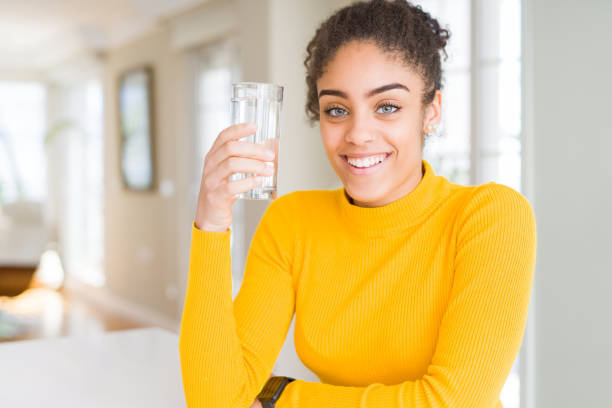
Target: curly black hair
<point x="396" y="26"/>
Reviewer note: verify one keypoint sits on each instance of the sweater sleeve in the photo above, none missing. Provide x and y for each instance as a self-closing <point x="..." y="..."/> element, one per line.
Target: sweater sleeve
<point x="228" y="348"/>
<point x="483" y="325"/>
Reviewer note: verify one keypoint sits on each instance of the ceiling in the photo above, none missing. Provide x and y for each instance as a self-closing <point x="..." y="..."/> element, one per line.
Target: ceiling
<point x="36" y="34"/>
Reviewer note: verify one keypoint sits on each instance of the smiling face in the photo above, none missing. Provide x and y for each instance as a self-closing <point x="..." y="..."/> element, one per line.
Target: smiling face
<point x="372" y="122"/>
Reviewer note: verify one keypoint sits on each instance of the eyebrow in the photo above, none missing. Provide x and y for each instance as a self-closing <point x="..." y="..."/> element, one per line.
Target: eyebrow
<point x="369" y="94"/>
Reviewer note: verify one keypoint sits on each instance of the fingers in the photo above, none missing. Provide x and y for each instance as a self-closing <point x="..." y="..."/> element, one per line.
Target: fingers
<point x="227" y="156"/>
<point x="234" y="132"/>
<point x="227" y="190"/>
<point x="231" y="165"/>
<point x="243" y="185"/>
<point x="237" y="148"/>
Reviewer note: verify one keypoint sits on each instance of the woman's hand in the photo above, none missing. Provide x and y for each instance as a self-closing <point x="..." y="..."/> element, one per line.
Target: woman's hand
<point x="229" y="155"/>
<point x="256" y="404"/>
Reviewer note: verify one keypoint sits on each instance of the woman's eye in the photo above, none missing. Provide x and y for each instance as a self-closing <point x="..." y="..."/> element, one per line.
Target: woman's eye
<point x="335" y="111"/>
<point x="387" y="108"/>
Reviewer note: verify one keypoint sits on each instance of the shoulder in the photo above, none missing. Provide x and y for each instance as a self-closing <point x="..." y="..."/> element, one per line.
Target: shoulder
<point x="500" y="197"/>
<point x="495" y="204"/>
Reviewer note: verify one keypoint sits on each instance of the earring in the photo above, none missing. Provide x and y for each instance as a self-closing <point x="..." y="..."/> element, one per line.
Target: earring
<point x="432" y="129"/>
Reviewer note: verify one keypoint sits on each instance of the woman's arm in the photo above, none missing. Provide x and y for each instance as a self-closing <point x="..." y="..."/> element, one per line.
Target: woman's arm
<point x="228" y="349"/>
<point x="482" y="329"/>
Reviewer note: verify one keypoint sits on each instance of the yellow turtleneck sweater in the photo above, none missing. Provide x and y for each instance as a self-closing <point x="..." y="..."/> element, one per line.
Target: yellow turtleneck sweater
<point x="419" y="303"/>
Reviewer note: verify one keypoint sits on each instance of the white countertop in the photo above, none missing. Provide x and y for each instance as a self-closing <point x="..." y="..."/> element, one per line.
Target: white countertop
<point x="132" y="368"/>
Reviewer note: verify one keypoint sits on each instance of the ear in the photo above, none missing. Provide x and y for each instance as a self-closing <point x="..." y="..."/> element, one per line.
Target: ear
<point x="433" y="112"/>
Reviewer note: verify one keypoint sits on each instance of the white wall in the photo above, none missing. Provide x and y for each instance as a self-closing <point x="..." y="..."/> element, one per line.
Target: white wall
<point x="568" y="64"/>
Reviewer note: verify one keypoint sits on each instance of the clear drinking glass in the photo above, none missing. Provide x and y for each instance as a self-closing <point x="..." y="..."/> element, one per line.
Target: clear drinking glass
<point x="259" y="103"/>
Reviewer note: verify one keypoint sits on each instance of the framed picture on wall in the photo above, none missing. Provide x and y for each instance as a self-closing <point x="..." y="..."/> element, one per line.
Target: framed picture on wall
<point x="136" y="129"/>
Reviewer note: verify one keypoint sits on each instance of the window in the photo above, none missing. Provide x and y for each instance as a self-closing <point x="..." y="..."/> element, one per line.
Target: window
<point x="75" y="148"/>
<point x="22" y="130"/>
<point x="449" y="151"/>
<point x="480" y="133"/>
<point x="93" y="186"/>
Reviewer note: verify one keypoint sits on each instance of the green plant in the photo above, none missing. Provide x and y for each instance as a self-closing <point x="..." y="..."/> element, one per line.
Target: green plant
<point x="58" y="128"/>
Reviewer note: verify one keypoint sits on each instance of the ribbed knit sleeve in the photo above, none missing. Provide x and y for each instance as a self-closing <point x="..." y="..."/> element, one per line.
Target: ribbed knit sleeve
<point x="482" y="327"/>
<point x="228" y="349"/>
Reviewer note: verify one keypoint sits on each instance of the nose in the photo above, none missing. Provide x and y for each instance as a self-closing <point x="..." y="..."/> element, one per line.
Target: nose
<point x="360" y="130"/>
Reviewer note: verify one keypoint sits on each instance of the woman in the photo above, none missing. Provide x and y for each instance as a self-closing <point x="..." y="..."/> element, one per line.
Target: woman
<point x="408" y="290"/>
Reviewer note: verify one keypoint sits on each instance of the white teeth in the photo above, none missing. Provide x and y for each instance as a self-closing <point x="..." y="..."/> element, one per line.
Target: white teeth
<point x="366" y="161"/>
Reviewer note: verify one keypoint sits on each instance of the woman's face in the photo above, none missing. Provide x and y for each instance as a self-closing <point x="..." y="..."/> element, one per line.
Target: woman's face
<point x="372" y="123"/>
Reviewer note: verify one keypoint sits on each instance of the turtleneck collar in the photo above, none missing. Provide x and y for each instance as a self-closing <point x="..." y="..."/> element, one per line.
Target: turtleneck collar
<point x="400" y="214"/>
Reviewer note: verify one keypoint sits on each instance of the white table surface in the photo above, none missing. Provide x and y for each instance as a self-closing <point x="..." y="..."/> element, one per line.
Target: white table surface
<point x="132" y="368"/>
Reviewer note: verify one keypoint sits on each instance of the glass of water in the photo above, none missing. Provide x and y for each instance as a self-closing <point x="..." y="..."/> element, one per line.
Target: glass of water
<point x="259" y="103"/>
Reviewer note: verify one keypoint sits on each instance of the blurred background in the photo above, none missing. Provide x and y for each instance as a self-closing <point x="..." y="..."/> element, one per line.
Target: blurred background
<point x="107" y="109"/>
